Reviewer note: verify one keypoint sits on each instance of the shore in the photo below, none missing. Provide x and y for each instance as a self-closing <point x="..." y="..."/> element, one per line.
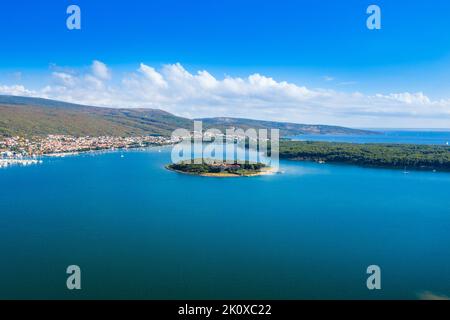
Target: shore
<point x="375" y="155"/>
<point x="263" y="172"/>
<point x="4" y="163"/>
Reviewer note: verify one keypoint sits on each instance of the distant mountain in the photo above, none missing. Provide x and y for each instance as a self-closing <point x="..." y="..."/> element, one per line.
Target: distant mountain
<point x="35" y="116"/>
<point x="286" y="128"/>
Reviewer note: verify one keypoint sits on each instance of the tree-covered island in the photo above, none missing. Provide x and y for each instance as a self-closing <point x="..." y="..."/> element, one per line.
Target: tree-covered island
<point x="401" y="156"/>
<point x="214" y="168"/>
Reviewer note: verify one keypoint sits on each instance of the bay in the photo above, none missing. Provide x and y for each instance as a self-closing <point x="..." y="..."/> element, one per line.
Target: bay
<point x="139" y="231"/>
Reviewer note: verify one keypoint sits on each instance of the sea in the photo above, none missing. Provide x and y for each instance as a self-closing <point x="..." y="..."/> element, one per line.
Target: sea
<point x="432" y="137"/>
<point x="139" y="231"/>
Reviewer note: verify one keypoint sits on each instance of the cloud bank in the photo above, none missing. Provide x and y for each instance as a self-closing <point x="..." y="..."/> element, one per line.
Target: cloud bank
<point x="200" y="94"/>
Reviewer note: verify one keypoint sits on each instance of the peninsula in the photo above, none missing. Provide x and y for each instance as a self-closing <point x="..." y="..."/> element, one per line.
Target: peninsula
<point x="396" y="156"/>
<point x="213" y="168"/>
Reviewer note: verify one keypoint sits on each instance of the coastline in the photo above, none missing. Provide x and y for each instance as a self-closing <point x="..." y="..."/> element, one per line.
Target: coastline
<point x="5" y="163"/>
<point x="34" y="160"/>
<point x="374" y="155"/>
<point x="406" y="169"/>
<point x="263" y="172"/>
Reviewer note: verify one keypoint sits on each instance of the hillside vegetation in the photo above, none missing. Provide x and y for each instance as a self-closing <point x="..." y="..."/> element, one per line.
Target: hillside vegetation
<point x="26" y="116"/>
<point x="378" y="155"/>
<point x="42" y="118"/>
<point x="211" y="167"/>
<point x="286" y="128"/>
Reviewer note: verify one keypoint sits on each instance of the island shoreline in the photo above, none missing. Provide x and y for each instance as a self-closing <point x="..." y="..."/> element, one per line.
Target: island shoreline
<point x="264" y="172"/>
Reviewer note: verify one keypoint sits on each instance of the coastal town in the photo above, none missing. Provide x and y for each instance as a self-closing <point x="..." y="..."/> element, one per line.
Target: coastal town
<point x="18" y="150"/>
<point x="25" y="151"/>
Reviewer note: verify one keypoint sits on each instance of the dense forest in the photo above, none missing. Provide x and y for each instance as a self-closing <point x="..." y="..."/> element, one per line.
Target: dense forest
<point x="215" y="168"/>
<point x="427" y="157"/>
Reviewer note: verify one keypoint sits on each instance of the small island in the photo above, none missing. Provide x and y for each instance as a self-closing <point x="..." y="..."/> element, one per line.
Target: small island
<point x="214" y="168"/>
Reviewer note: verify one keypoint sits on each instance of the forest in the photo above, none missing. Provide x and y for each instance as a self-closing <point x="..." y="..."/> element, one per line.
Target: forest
<point x="410" y="156"/>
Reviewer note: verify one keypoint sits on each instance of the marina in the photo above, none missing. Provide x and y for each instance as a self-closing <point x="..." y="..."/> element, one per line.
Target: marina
<point x="4" y="163"/>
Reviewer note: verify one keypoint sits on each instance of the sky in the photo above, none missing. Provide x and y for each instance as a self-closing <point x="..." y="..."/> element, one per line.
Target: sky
<point x="301" y="61"/>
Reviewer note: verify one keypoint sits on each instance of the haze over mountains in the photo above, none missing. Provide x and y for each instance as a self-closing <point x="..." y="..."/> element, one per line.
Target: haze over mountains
<point x="25" y="116"/>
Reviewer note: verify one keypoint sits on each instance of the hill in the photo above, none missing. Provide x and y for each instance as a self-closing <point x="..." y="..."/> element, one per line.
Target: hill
<point x="286" y="128"/>
<point x="31" y="116"/>
<point x="27" y="116"/>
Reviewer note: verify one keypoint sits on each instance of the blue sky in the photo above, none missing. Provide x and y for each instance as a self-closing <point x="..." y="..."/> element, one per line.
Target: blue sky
<point x="317" y="44"/>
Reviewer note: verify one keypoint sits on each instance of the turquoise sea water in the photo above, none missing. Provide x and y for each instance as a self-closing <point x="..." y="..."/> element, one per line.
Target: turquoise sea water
<point x="140" y="231"/>
<point x="437" y="137"/>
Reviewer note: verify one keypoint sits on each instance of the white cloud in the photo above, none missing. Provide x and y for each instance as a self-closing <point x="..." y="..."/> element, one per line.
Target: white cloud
<point x="100" y="70"/>
<point x="201" y="94"/>
<point x="65" y="78"/>
<point x="153" y="76"/>
<point x="408" y="98"/>
<point x="16" y="90"/>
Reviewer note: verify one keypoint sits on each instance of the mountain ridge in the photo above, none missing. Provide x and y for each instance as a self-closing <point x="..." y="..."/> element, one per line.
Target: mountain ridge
<point x="286" y="128"/>
<point x="27" y="116"/>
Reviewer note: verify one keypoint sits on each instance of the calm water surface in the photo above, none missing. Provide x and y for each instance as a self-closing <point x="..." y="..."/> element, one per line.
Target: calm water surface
<point x="139" y="231"/>
<point x="438" y="137"/>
